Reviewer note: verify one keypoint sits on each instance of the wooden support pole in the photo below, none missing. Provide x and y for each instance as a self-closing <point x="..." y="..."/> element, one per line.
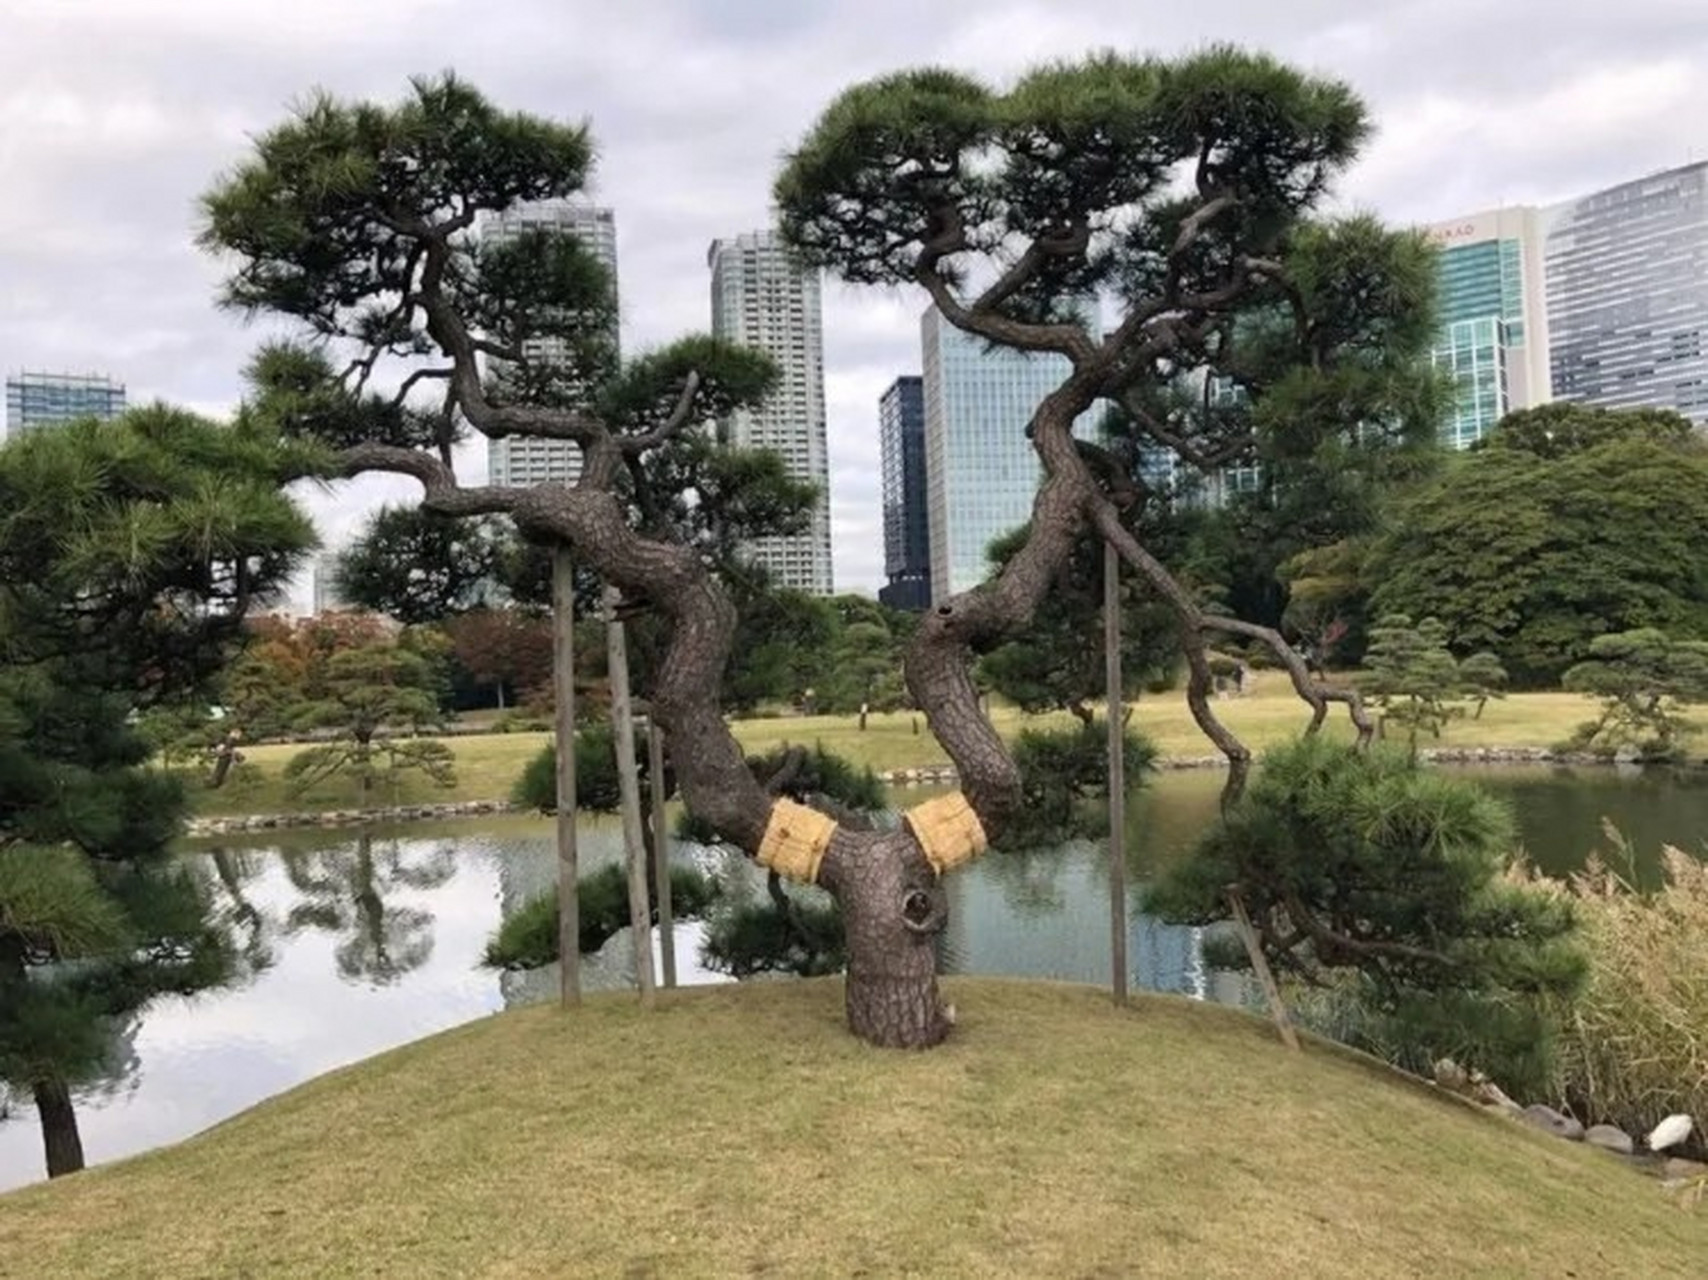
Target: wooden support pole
<point x="563" y="688"/>
<point x="1265" y="975"/>
<point x="628" y="786"/>
<point x="1116" y="702"/>
<point x="661" y="852"/>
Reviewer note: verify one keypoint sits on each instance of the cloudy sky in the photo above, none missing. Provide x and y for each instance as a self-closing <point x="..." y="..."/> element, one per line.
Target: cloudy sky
<point x="116" y="114"/>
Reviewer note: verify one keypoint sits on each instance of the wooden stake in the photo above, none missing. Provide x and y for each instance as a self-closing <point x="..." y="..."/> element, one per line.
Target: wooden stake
<point x="1265" y="975"/>
<point x="563" y="687"/>
<point x="661" y="850"/>
<point x="628" y="785"/>
<point x="1115" y="701"/>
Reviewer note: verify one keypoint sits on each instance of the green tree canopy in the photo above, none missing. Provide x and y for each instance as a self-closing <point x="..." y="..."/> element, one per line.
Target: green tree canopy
<point x="1533" y="554"/>
<point x="129" y="552"/>
<point x="1367" y="867"/>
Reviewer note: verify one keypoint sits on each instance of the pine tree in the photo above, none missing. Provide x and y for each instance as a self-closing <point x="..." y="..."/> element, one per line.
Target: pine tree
<point x="129" y="553"/>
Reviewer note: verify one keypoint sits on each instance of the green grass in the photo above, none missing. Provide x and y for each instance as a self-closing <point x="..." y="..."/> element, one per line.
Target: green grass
<point x="487" y="764"/>
<point x="743" y="1131"/>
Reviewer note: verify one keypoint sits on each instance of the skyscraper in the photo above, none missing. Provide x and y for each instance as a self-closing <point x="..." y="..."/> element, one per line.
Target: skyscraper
<point x="1494" y="320"/>
<point x="42" y="399"/>
<point x="907" y="523"/>
<point x="981" y="469"/>
<point x="522" y="460"/>
<point x="1628" y="294"/>
<point x="763" y="298"/>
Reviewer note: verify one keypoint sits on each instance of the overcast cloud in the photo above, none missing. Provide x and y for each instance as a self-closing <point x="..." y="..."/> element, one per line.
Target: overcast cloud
<point x="116" y="114"/>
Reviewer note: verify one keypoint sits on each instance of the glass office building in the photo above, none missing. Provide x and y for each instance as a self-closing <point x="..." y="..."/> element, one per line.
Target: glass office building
<point x="43" y="399"/>
<point x="1628" y="294"/>
<point x="763" y="298"/>
<point x="907" y="522"/>
<point x="981" y="469"/>
<point x="1494" y="327"/>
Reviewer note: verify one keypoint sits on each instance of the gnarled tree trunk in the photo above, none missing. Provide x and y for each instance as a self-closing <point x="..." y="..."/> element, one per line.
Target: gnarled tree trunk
<point x="60" y="1138"/>
<point x="893" y="908"/>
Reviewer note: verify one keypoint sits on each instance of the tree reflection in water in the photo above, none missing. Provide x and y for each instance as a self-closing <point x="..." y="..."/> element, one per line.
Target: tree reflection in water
<point x="252" y="930"/>
<point x="344" y="892"/>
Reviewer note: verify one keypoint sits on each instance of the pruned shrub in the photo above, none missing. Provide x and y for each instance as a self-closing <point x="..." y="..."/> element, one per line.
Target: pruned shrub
<point x="1384" y="887"/>
<point x="527" y="939"/>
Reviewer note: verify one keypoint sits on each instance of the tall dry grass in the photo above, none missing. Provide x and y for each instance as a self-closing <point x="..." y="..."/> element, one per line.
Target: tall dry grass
<point x="1634" y="1046"/>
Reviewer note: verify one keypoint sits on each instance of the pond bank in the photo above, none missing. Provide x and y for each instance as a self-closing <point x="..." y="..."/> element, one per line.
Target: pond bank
<point x="943" y="775"/>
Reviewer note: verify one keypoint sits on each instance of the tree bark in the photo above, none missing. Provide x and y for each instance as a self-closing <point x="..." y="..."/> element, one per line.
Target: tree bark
<point x="563" y="679"/>
<point x="60" y="1138"/>
<point x="628" y="786"/>
<point x="893" y="908"/>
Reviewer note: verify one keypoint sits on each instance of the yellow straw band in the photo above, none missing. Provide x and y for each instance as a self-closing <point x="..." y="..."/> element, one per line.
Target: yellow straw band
<point x="947" y="830"/>
<point x="795" y="840"/>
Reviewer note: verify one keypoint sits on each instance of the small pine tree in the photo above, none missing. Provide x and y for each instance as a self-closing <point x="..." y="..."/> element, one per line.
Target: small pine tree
<point x="1386" y="880"/>
<point x="1644" y="679"/>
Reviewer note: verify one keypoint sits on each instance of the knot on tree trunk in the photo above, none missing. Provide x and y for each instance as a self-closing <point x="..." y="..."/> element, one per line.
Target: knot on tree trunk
<point x="893" y="908"/>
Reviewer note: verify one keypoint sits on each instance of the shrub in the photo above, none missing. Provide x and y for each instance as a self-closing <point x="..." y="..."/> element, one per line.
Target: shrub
<point x="750" y="938"/>
<point x="1388" y="883"/>
<point x="821" y="774"/>
<point x="528" y="938"/>
<point x="1634" y="1047"/>
<point x="1062" y="773"/>
<point x="596" y="787"/>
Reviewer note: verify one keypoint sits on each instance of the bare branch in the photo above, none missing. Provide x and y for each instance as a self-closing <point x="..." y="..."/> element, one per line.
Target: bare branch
<point x="440" y="490"/>
<point x="416" y="379"/>
<point x="679" y="418"/>
<point x="1064" y="339"/>
<point x="1314" y="692"/>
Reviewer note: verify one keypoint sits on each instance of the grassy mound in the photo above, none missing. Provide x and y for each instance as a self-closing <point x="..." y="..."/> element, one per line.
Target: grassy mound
<point x="743" y="1131"/>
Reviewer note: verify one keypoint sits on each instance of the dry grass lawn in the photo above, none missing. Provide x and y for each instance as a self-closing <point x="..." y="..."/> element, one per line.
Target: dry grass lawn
<point x="488" y="764"/>
<point x="741" y="1131"/>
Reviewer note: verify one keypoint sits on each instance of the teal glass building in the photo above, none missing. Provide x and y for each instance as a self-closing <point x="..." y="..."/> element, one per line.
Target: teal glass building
<point x="981" y="472"/>
<point x="1493" y="336"/>
<point x="43" y="399"/>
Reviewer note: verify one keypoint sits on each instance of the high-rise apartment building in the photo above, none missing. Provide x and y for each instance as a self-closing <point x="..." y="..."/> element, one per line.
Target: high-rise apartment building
<point x="907" y="523"/>
<point x="981" y="471"/>
<point x="325" y="592"/>
<point x="42" y="399"/>
<point x="1628" y="294"/>
<point x="1494" y="319"/>
<point x="521" y="460"/>
<point x="763" y="298"/>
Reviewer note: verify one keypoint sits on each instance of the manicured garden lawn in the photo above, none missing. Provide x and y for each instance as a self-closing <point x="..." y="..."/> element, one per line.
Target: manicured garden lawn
<point x="487" y="764"/>
<point x="743" y="1131"/>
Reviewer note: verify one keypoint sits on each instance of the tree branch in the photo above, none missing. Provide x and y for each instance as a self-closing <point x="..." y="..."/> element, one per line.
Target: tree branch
<point x="679" y="418"/>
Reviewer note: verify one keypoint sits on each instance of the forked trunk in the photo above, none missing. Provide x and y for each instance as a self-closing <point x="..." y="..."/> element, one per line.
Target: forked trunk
<point x="60" y="1139"/>
<point x="893" y="908"/>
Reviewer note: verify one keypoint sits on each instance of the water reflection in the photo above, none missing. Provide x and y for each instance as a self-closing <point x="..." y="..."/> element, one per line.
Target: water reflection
<point x="344" y="893"/>
<point x="355" y="942"/>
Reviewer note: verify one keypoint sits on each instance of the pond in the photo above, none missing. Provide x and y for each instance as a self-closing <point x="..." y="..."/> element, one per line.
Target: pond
<point x="353" y="945"/>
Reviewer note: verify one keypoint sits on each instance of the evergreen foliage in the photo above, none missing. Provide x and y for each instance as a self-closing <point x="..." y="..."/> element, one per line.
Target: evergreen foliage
<point x="1389" y="881"/>
<point x="528" y="937"/>
<point x="1569" y="523"/>
<point x="1064" y="772"/>
<point x="1413" y="676"/>
<point x="129" y="551"/>
<point x="1645" y="680"/>
<point x="368" y="696"/>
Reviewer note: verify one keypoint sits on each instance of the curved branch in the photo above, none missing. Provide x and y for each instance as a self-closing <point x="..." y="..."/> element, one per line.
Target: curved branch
<point x="1064" y="339"/>
<point x="1315" y="692"/>
<point x="939" y="661"/>
<point x="440" y="489"/>
<point x="1320" y="934"/>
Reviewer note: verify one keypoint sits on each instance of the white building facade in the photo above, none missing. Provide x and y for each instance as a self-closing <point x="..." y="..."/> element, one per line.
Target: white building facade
<point x="764" y="299"/>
